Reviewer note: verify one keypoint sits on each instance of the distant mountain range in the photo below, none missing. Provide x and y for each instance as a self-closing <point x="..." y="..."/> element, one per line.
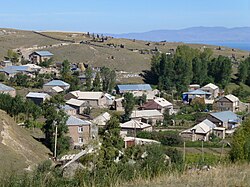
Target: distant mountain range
<point x="193" y="34"/>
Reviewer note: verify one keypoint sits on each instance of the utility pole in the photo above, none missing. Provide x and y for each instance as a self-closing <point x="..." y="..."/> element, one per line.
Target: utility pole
<point x="184" y="151"/>
<point x="202" y="150"/>
<point x="55" y="140"/>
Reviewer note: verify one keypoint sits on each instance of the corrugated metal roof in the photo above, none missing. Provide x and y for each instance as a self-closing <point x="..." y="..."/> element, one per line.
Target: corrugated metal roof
<point x="225" y="116"/>
<point x="44" y="53"/>
<point x="131" y="87"/>
<point x="37" y="95"/>
<point x="145" y="113"/>
<point x="132" y="124"/>
<point x="4" y="87"/>
<point x="211" y="85"/>
<point x="15" y="69"/>
<point x="102" y="119"/>
<point x="66" y="107"/>
<point x="87" y="95"/>
<point x="162" y="102"/>
<point x="75" y="102"/>
<point x="56" y="83"/>
<point x="232" y="98"/>
<point x="76" y="121"/>
<point x="197" y="92"/>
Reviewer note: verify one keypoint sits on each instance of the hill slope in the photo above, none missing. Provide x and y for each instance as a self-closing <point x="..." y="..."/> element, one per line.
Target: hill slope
<point x="193" y="34"/>
<point x="132" y="57"/>
<point x="18" y="149"/>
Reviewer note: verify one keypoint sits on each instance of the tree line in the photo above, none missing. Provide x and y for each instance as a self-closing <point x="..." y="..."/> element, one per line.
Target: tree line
<point x="186" y="66"/>
<point x="244" y="71"/>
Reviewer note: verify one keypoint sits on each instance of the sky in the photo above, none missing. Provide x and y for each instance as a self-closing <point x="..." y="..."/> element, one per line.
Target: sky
<point x="122" y="16"/>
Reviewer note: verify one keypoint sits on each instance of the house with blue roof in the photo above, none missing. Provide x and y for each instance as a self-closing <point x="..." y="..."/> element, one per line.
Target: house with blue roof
<point x="40" y="56"/>
<point x="11" y="71"/>
<point x="189" y="96"/>
<point x="123" y="88"/>
<point x="79" y="130"/>
<point x="48" y="87"/>
<point x="4" y="89"/>
<point x="226" y="119"/>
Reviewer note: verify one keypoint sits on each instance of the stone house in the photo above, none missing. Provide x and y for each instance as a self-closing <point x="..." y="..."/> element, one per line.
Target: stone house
<point x="79" y="130"/>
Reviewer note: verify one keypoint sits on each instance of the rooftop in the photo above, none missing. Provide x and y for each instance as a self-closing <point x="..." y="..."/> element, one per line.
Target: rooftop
<point x="197" y="92"/>
<point x="211" y="85"/>
<point x="4" y="87"/>
<point x="37" y="95"/>
<point x="56" y="83"/>
<point x="131" y="87"/>
<point x="132" y="124"/>
<point x="87" y="95"/>
<point x="225" y="116"/>
<point x="202" y="127"/>
<point x="162" y="102"/>
<point x="67" y="107"/>
<point x="75" y="102"/>
<point x="232" y="98"/>
<point x="76" y="121"/>
<point x="43" y="53"/>
<point x="145" y="113"/>
<point x="102" y="119"/>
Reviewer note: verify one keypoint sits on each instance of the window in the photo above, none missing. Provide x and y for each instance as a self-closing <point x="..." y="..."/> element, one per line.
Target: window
<point x="80" y="140"/>
<point x="80" y="129"/>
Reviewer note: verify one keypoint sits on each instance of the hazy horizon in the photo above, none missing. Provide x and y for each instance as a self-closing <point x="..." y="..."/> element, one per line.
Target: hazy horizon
<point x="110" y="16"/>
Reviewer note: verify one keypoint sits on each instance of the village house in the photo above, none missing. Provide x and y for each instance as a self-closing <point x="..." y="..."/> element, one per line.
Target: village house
<point x="202" y="131"/>
<point x="78" y="105"/>
<point x="94" y="99"/>
<point x="56" y="86"/>
<point x="159" y="104"/>
<point x="193" y="87"/>
<point x="109" y="99"/>
<point x="123" y="88"/>
<point x="228" y="102"/>
<point x="33" y="67"/>
<point x="40" y="56"/>
<point x="6" y="63"/>
<point x="147" y="116"/>
<point x="133" y="126"/>
<point x="4" y="89"/>
<point x="132" y="141"/>
<point x="79" y="131"/>
<point x="211" y="88"/>
<point x="37" y="98"/>
<point x="118" y="106"/>
<point x="150" y="95"/>
<point x="11" y="71"/>
<point x="187" y="97"/>
<point x="102" y="119"/>
<point x="69" y="110"/>
<point x="226" y="119"/>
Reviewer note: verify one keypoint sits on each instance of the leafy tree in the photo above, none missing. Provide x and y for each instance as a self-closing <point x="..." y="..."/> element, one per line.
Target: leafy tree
<point x="2" y="77"/>
<point x="65" y="68"/>
<point x="46" y="63"/>
<point x="128" y="104"/>
<point x="97" y="82"/>
<point x="12" y="56"/>
<point x="244" y="71"/>
<point x="240" y="143"/>
<point x="55" y="116"/>
<point x="89" y="76"/>
<point x="111" y="141"/>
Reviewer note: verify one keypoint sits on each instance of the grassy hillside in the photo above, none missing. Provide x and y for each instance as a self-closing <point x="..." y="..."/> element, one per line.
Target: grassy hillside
<point x="18" y="149"/>
<point x="128" y="58"/>
<point x="231" y="175"/>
